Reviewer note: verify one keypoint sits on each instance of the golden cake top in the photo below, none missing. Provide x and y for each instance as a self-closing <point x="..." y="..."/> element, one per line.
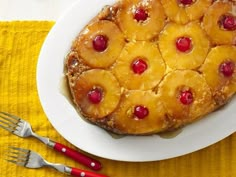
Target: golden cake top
<point x="147" y="66"/>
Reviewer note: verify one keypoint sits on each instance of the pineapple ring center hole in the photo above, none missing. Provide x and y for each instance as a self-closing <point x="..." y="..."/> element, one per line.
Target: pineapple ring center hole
<point x="100" y="43"/>
<point x="185" y="95"/>
<point x="183" y="3"/>
<point x="184" y="44"/>
<point x="95" y="95"/>
<point x="227" y="22"/>
<point x="227" y="68"/>
<point x="140" y="112"/>
<point x="140" y="14"/>
<point x="139" y="65"/>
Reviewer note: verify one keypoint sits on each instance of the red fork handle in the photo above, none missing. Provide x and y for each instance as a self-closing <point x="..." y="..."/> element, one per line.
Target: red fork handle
<point x="79" y="157"/>
<point x="84" y="173"/>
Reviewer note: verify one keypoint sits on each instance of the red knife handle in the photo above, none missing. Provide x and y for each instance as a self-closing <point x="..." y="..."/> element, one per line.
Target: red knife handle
<point x="84" y="173"/>
<point x="79" y="157"/>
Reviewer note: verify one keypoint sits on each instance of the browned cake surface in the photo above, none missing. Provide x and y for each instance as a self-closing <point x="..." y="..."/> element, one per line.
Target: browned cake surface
<point x="148" y="66"/>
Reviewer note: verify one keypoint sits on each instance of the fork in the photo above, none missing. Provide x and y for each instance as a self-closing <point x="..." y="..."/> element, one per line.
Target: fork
<point x="22" y="128"/>
<point x="31" y="159"/>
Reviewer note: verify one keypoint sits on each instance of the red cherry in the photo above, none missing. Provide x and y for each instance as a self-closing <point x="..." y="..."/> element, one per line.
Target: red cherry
<point x="229" y="22"/>
<point x="186" y="97"/>
<point x="186" y="2"/>
<point x="141" y="112"/>
<point x="139" y="66"/>
<point x="140" y="14"/>
<point x="227" y="68"/>
<point x="183" y="44"/>
<point x="95" y="95"/>
<point x="100" y="43"/>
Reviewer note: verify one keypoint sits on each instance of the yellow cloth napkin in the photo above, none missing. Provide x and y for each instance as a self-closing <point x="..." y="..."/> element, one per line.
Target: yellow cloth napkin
<point x="20" y="43"/>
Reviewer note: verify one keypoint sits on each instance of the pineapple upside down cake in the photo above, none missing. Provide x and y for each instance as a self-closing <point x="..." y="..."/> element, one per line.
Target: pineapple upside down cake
<point x="148" y="66"/>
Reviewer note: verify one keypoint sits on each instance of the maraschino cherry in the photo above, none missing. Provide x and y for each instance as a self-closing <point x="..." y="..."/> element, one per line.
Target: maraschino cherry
<point x="100" y="43"/>
<point x="227" y="68"/>
<point x="141" y="112"/>
<point x="186" y="97"/>
<point x="139" y="66"/>
<point x="186" y="2"/>
<point x="95" y="95"/>
<point x="140" y="14"/>
<point x="229" y="22"/>
<point x="184" y="44"/>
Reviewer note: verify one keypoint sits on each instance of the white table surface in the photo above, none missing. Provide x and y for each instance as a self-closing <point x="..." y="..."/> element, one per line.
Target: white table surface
<point x="33" y="9"/>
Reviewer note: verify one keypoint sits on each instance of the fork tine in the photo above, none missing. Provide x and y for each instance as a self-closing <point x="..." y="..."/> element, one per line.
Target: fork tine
<point x="16" y="162"/>
<point x="9" y="119"/>
<point x="17" y="153"/>
<point x="20" y="149"/>
<point x="7" y="128"/>
<point x="8" y="124"/>
<point x="10" y="115"/>
<point x="17" y="156"/>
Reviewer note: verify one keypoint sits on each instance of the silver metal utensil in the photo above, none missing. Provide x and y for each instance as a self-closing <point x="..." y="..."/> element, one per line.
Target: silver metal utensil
<point x="22" y="128"/>
<point x="30" y="159"/>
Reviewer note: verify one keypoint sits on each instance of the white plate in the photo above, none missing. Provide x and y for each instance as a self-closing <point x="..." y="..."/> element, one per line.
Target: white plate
<point x="95" y="140"/>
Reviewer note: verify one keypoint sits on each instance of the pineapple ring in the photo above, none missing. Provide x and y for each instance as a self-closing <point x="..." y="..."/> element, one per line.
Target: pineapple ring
<point x="124" y="120"/>
<point x="150" y="77"/>
<point x="223" y="87"/>
<point x="211" y="23"/>
<point x="84" y="44"/>
<point x="180" y="80"/>
<point x="184" y="14"/>
<point x="96" y="78"/>
<point x="183" y="60"/>
<point x="145" y="30"/>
